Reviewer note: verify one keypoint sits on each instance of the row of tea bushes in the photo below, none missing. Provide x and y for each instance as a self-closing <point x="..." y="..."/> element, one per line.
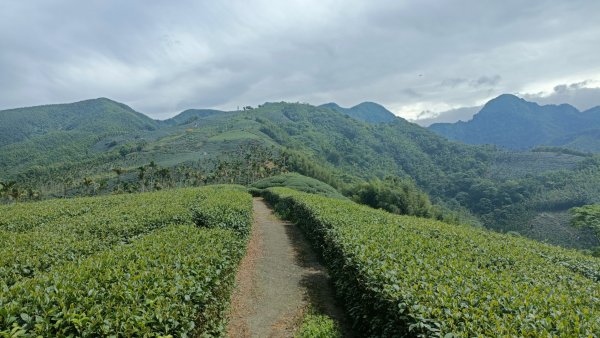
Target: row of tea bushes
<point x="408" y="276"/>
<point x="161" y="275"/>
<point x="174" y="281"/>
<point x="228" y="207"/>
<point x="68" y="236"/>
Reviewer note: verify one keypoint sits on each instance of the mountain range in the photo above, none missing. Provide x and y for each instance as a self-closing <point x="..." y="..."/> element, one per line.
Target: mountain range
<point x="58" y="146"/>
<point x="514" y="123"/>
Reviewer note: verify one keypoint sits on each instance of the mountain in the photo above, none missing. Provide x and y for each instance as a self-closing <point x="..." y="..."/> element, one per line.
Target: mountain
<point x="366" y="111"/>
<point x="63" y="132"/>
<point x="95" y="116"/>
<point x="326" y="134"/>
<point x="505" y="190"/>
<point x="514" y="123"/>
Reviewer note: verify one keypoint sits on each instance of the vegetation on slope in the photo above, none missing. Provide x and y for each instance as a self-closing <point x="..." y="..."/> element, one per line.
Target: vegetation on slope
<point x="394" y="195"/>
<point x="588" y="216"/>
<point x="367" y="111"/>
<point x="401" y="275"/>
<point x="506" y="191"/>
<point x="298" y="182"/>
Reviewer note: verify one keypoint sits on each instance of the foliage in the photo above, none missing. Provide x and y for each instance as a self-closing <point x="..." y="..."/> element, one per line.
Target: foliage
<point x="132" y="265"/>
<point x="224" y="207"/>
<point x="394" y="195"/>
<point x="38" y="236"/>
<point x="560" y="150"/>
<point x="587" y="216"/>
<point x="67" y="132"/>
<point x="298" y="182"/>
<point x="505" y="190"/>
<point x="318" y="326"/>
<point x="367" y="111"/>
<point x="174" y="281"/>
<point x="407" y="276"/>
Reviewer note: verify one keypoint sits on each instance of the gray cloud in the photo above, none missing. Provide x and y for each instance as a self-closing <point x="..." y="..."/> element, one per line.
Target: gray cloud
<point x="161" y="57"/>
<point x="577" y="94"/>
<point x="486" y="81"/>
<point x="426" y="119"/>
<point x="453" y="82"/>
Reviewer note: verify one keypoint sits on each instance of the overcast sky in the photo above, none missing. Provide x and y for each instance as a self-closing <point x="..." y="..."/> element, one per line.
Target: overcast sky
<point x="417" y="58"/>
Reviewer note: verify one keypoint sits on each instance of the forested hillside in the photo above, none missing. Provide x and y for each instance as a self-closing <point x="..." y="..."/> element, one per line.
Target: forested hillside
<point x="380" y="163"/>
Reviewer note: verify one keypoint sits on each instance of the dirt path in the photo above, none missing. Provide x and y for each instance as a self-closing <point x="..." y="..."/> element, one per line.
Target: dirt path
<point x="279" y="278"/>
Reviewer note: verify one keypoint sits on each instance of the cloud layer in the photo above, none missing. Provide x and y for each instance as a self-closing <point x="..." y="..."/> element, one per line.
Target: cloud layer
<point x="162" y="57"/>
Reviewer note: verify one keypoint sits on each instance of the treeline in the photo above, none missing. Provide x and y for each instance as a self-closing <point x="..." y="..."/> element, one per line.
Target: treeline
<point x="588" y="216"/>
<point x="249" y="162"/>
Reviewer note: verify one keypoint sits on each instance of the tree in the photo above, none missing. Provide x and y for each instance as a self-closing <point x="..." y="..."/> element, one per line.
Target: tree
<point x="88" y="183"/>
<point x="119" y="171"/>
<point x="7" y="189"/>
<point x="141" y="176"/>
<point x="394" y="195"/>
<point x="15" y="193"/>
<point x="164" y="174"/>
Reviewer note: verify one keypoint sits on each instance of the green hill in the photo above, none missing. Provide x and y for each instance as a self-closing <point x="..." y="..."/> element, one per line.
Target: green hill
<point x="98" y="116"/>
<point x="61" y="133"/>
<point x="366" y="111"/>
<point x="504" y="189"/>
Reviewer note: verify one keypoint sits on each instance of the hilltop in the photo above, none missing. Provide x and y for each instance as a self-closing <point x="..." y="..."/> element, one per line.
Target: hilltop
<point x="366" y="111"/>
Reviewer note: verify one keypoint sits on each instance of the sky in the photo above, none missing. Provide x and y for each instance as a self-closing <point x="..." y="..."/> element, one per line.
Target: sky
<point x="417" y="58"/>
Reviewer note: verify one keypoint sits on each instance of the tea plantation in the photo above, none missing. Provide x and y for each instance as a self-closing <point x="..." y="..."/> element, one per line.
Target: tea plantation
<point x="125" y="265"/>
<point x="405" y="276"/>
<point x="164" y="264"/>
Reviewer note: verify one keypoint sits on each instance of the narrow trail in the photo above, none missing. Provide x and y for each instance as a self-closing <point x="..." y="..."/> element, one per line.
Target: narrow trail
<point x="278" y="280"/>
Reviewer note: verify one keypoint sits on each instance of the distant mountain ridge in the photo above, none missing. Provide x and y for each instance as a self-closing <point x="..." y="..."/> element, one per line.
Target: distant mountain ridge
<point x="367" y="111"/>
<point x="514" y="123"/>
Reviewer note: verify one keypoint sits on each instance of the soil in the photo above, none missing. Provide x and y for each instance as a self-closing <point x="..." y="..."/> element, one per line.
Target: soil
<point x="278" y="281"/>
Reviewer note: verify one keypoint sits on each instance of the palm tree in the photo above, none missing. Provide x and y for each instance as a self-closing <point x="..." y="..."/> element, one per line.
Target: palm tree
<point x="32" y="194"/>
<point x="66" y="181"/>
<point x="152" y="171"/>
<point x="15" y="193"/>
<point x="141" y="174"/>
<point x="7" y="188"/>
<point x="88" y="182"/>
<point x="119" y="172"/>
<point x="164" y="173"/>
